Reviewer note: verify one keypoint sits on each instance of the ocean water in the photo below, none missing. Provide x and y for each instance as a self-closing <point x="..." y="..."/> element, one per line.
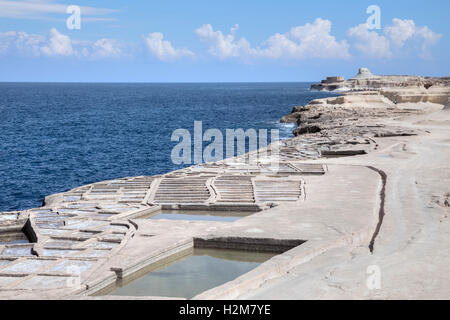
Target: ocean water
<point x="55" y="136"/>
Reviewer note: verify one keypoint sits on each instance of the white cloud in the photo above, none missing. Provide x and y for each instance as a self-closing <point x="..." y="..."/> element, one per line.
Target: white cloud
<point x="398" y="35"/>
<point x="308" y="41"/>
<point x="21" y="43"/>
<point x="58" y="45"/>
<point x="370" y="43"/>
<point x="403" y="30"/>
<point x="163" y="49"/>
<point x="429" y="38"/>
<point x="224" y="46"/>
<point x="400" y="31"/>
<point x="106" y="48"/>
<point x="311" y="40"/>
<point x="41" y="9"/>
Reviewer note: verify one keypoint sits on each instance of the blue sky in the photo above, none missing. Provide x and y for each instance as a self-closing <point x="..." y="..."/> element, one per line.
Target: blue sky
<point x="220" y="41"/>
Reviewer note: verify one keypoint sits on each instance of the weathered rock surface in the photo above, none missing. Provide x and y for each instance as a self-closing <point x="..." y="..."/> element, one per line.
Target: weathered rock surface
<point x="347" y="125"/>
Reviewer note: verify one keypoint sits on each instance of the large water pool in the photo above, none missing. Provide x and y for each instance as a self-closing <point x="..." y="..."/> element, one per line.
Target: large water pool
<point x="195" y="273"/>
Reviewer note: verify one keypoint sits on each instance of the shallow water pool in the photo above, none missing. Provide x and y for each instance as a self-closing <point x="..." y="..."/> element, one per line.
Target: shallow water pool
<point x="195" y="273"/>
<point x="192" y="215"/>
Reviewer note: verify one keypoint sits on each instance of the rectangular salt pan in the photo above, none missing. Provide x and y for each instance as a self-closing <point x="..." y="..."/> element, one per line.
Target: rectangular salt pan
<point x="72" y="266"/>
<point x="194" y="215"/>
<point x="58" y="253"/>
<point x="93" y="254"/>
<point x="61" y="243"/>
<point x="102" y="245"/>
<point x="28" y="266"/>
<point x="17" y="251"/>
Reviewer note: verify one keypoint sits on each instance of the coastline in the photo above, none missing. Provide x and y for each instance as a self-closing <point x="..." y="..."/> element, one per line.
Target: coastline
<point x="328" y="233"/>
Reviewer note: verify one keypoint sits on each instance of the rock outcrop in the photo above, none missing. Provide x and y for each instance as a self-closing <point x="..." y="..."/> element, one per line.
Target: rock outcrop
<point x="398" y="89"/>
<point x="364" y="73"/>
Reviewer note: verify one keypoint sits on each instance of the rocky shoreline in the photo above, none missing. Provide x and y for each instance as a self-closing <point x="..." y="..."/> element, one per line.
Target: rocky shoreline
<point x="347" y="124"/>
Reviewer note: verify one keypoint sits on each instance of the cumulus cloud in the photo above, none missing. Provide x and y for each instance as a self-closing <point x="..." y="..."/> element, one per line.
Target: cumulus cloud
<point x="21" y="43"/>
<point x="163" y="49"/>
<point x="403" y="30"/>
<point x="224" y="46"/>
<point x="57" y="44"/>
<point x="370" y="43"/>
<point x="429" y="38"/>
<point x="400" y="31"/>
<point x="106" y="48"/>
<point x="312" y="40"/>
<point x="394" y="37"/>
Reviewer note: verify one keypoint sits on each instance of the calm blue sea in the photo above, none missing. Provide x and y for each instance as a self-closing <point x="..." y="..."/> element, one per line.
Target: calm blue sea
<point x="55" y="137"/>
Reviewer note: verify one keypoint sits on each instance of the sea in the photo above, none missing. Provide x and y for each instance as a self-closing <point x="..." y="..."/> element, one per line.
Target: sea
<point x="58" y="136"/>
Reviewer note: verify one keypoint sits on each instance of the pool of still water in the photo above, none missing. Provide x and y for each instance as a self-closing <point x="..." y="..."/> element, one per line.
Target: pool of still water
<point x="193" y="274"/>
<point x="192" y="215"/>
